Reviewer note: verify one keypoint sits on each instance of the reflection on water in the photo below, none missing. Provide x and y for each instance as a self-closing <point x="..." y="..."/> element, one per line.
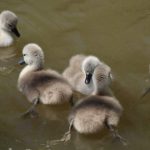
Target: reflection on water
<point x="118" y="32"/>
<point x="7" y="56"/>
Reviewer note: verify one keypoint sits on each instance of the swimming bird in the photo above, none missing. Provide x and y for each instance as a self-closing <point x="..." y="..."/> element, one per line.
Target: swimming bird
<point x="88" y="75"/>
<point x="39" y="85"/>
<point x="8" y="28"/>
<point x="91" y="114"/>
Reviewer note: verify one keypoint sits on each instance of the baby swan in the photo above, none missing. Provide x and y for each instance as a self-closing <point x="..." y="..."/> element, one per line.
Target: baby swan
<point x="92" y="114"/>
<point x="39" y="85"/>
<point x="88" y="75"/>
<point x="8" y="27"/>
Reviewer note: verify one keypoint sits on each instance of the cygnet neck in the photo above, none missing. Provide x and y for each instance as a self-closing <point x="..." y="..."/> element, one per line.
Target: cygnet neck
<point x="37" y="66"/>
<point x="100" y="88"/>
<point x="30" y="68"/>
<point x="6" y="38"/>
<point x="95" y="82"/>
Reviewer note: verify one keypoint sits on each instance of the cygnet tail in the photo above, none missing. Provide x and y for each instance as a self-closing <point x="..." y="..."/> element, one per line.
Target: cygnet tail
<point x="56" y="96"/>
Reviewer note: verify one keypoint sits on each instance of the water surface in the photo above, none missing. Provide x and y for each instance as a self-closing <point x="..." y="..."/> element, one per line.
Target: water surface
<point x="118" y="32"/>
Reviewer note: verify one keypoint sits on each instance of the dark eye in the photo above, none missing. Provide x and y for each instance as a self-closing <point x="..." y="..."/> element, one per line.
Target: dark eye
<point x="10" y="25"/>
<point x="24" y="54"/>
<point x="35" y="54"/>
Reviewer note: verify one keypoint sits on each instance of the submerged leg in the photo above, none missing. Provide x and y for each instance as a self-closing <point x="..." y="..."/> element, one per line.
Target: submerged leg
<point x="31" y="109"/>
<point x="66" y="137"/>
<point x="146" y="91"/>
<point x="71" y="101"/>
<point x="116" y="135"/>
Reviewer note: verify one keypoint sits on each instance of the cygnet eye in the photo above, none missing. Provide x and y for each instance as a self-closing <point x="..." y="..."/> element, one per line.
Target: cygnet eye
<point x="10" y="25"/>
<point x="24" y="54"/>
<point x="35" y="54"/>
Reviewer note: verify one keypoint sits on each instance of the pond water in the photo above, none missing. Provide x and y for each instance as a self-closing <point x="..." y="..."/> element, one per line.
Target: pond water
<point x="118" y="32"/>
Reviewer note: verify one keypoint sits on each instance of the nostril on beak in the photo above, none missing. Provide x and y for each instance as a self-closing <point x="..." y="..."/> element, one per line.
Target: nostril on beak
<point x="21" y="61"/>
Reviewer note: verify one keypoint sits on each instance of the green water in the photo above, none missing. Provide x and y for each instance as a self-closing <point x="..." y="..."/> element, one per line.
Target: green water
<point x="118" y="32"/>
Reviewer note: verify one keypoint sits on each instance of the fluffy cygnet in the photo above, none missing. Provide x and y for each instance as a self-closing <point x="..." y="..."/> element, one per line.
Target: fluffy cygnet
<point x="39" y="85"/>
<point x="88" y="75"/>
<point x="91" y="114"/>
<point x="8" y="28"/>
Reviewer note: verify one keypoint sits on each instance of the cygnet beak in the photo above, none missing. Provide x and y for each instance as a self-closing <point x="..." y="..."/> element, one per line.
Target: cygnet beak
<point x="15" y="31"/>
<point x="21" y="61"/>
<point x="88" y="78"/>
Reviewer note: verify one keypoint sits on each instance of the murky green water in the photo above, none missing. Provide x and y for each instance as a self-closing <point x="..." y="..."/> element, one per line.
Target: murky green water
<point x="116" y="31"/>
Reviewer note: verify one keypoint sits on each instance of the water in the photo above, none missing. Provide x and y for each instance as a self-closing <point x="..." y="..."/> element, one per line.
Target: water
<point x="118" y="32"/>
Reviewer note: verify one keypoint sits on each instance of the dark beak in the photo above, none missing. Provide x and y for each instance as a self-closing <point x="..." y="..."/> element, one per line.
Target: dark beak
<point x="15" y="31"/>
<point x="88" y="78"/>
<point x="21" y="61"/>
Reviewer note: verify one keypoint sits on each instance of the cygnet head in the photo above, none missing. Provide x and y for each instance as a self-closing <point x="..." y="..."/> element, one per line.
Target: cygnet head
<point x="32" y="56"/>
<point x="8" y="22"/>
<point x="88" y="66"/>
